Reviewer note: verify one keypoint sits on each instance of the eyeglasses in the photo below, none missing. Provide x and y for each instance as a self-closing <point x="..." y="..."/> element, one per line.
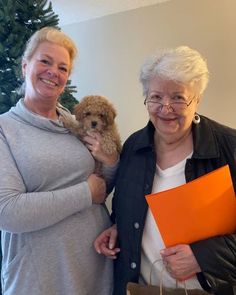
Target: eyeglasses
<point x="154" y="104"/>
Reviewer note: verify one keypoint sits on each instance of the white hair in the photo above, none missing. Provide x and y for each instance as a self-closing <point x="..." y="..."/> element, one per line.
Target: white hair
<point x="182" y="64"/>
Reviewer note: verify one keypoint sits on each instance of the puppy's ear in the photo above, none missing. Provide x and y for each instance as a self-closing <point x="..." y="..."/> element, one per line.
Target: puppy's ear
<point x="111" y="114"/>
<point x="78" y="111"/>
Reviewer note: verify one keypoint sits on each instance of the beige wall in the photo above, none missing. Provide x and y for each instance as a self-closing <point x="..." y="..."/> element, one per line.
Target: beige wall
<point x="112" y="49"/>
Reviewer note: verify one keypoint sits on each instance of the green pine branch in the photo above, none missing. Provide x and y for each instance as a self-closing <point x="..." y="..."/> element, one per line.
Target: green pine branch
<point x="19" y="20"/>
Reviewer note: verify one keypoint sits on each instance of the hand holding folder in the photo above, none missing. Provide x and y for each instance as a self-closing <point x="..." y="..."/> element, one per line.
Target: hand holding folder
<point x="202" y="208"/>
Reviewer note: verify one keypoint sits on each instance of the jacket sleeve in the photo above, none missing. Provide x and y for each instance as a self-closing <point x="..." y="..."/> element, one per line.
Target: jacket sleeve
<point x="109" y="173"/>
<point x="217" y="259"/>
<point x="22" y="211"/>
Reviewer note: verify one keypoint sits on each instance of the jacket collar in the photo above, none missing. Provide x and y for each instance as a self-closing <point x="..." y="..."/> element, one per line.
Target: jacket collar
<point x="204" y="141"/>
<point x="145" y="138"/>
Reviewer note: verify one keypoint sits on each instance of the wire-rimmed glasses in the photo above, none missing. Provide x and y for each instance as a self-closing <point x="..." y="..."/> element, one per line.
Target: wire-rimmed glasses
<point x="154" y="104"/>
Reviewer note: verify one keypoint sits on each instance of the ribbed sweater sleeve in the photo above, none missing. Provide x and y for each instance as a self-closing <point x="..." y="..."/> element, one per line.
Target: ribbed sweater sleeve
<point x="22" y="211"/>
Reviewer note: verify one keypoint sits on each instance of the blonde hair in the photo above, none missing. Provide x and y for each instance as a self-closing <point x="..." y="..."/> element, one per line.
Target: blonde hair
<point x="53" y="35"/>
<point x="181" y="64"/>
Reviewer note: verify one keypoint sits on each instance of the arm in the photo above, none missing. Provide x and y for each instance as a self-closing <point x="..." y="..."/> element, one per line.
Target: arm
<point x="217" y="259"/>
<point x="22" y="211"/>
<point x="213" y="260"/>
<point x="110" y="162"/>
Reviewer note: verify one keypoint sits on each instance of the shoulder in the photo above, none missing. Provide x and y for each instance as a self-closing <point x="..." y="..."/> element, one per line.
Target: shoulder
<point x="217" y="128"/>
<point x="4" y="119"/>
<point x="4" y="115"/>
<point x="142" y="138"/>
<point x="133" y="137"/>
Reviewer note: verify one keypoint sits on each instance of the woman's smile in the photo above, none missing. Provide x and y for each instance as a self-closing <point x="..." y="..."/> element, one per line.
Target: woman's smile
<point x="48" y="82"/>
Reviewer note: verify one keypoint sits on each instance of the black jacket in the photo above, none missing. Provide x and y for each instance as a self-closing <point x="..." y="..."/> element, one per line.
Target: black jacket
<point x="214" y="146"/>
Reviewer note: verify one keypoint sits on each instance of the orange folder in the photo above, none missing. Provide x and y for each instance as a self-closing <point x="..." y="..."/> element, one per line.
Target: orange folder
<point x="202" y="208"/>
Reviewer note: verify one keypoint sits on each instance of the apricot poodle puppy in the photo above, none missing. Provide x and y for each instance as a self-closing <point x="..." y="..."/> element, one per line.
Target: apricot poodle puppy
<point x="96" y="113"/>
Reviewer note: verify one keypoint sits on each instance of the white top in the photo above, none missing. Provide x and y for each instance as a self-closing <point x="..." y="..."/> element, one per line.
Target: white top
<point x="152" y="241"/>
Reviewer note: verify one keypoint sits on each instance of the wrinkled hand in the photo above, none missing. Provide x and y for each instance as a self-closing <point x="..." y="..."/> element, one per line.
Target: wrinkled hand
<point x="97" y="187"/>
<point x="105" y="243"/>
<point x="93" y="141"/>
<point x="180" y="262"/>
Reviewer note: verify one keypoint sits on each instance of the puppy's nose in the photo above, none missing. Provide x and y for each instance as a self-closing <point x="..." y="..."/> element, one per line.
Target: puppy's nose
<point x="93" y="124"/>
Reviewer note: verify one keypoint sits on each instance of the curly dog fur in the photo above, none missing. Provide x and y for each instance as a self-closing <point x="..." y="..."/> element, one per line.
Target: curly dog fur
<point x="96" y="113"/>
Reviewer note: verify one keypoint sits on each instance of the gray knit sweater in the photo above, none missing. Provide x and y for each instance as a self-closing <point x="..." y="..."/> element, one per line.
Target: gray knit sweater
<point x="47" y="218"/>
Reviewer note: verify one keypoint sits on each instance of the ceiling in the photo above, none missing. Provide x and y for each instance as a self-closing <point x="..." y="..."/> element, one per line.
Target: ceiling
<point x="73" y="11"/>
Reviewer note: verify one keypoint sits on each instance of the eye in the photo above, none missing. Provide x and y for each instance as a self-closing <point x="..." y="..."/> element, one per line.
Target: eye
<point x="63" y="69"/>
<point x="180" y="98"/>
<point x="87" y="114"/>
<point x="155" y="98"/>
<point x="101" y="115"/>
<point x="45" y="61"/>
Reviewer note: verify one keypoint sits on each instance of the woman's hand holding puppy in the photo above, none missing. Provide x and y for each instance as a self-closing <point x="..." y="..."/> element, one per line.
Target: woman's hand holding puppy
<point x="97" y="185"/>
<point x="93" y="142"/>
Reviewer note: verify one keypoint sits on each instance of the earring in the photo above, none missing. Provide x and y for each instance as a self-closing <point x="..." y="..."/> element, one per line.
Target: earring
<point x="196" y="119"/>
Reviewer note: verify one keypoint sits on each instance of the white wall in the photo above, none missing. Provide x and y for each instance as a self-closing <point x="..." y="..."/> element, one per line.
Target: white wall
<point x="112" y="49"/>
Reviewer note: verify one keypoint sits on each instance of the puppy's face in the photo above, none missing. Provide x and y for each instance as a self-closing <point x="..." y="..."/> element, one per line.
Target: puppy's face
<point x="93" y="121"/>
<point x="95" y="113"/>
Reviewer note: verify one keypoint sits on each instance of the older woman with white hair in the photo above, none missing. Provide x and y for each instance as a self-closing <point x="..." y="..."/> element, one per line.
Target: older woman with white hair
<point x="177" y="146"/>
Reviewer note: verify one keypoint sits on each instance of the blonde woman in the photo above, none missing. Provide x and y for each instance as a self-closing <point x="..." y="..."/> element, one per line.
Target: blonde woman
<point x="51" y="202"/>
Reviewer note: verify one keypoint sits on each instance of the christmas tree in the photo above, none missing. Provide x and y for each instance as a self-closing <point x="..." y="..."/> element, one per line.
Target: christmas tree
<point x="19" y="20"/>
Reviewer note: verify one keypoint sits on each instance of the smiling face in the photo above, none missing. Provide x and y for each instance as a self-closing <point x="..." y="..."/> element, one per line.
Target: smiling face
<point x="171" y="124"/>
<point x="46" y="73"/>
